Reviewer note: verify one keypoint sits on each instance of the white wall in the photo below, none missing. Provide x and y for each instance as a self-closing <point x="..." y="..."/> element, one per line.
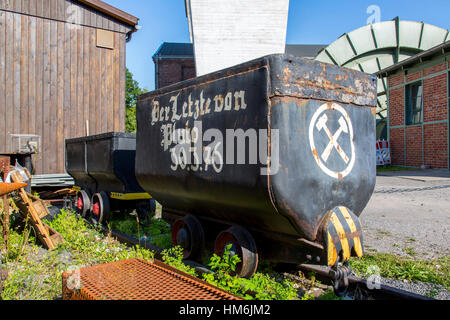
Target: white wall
<point x="229" y="32"/>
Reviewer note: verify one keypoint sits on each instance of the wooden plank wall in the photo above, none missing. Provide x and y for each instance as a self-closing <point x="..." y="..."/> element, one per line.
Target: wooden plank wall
<point x="53" y="79"/>
<point x="65" y="11"/>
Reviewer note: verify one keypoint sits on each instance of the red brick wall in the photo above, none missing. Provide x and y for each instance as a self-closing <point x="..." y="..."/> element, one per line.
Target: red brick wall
<point x="435" y="69"/>
<point x="435" y="98"/>
<point x="397" y="106"/>
<point x="396" y="79"/>
<point x="413" y="76"/>
<point x="397" y="136"/>
<point x="171" y="71"/>
<point x="436" y="146"/>
<point x="413" y="140"/>
<point x="435" y="108"/>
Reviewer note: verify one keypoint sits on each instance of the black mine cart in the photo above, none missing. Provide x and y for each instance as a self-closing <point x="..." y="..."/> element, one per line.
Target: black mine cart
<point x="103" y="169"/>
<point x="276" y="154"/>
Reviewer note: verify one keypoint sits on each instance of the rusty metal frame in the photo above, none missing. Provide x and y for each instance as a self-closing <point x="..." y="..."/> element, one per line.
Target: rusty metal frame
<point x="137" y="279"/>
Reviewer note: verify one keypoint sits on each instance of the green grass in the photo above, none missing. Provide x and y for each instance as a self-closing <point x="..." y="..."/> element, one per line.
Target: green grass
<point x="395" y="267"/>
<point x="36" y="274"/>
<point x="174" y="256"/>
<point x="410" y="251"/>
<point x="260" y="286"/>
<point x="390" y="168"/>
<point x="384" y="233"/>
<point x="157" y="232"/>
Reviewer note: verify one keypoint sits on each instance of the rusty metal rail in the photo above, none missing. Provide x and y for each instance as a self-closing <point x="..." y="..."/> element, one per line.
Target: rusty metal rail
<point x="137" y="279"/>
<point x="359" y="290"/>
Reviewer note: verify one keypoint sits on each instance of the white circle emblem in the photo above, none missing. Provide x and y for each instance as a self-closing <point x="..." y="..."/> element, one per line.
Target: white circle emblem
<point x="319" y="122"/>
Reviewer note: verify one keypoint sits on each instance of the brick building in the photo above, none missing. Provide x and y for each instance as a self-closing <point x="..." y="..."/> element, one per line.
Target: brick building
<point x="418" y="109"/>
<point x="174" y="62"/>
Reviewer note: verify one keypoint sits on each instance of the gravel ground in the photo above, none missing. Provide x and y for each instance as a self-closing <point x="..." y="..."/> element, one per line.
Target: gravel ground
<point x="431" y="290"/>
<point x="406" y="214"/>
<point x="409" y="215"/>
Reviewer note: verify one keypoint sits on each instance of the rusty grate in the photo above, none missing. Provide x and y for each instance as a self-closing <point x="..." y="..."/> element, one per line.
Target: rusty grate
<point x="136" y="279"/>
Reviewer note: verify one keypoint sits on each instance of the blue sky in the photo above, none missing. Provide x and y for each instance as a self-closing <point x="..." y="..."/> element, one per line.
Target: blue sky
<point x="310" y="22"/>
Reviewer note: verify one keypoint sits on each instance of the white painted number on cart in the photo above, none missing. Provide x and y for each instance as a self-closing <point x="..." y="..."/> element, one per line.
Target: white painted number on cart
<point x="320" y="121"/>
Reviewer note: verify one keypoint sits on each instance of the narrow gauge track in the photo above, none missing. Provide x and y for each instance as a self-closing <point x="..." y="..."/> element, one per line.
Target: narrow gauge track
<point x="358" y="288"/>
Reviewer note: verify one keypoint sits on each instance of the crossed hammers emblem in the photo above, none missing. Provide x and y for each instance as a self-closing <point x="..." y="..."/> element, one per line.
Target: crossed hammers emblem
<point x="333" y="144"/>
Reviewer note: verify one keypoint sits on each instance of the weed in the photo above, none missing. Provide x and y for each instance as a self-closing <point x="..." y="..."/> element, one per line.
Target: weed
<point x="409" y="251"/>
<point x="260" y="286"/>
<point x="36" y="274"/>
<point x="432" y="293"/>
<point x="384" y="233"/>
<point x="330" y="295"/>
<point x="174" y="257"/>
<point x="395" y="267"/>
<point x="266" y="266"/>
<point x="388" y="168"/>
<point x="308" y="297"/>
<point x="157" y="232"/>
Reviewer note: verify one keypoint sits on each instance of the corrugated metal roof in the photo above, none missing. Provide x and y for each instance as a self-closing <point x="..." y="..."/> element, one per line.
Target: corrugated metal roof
<point x="375" y="47"/>
<point x="439" y="49"/>
<point x="175" y="50"/>
<point x="186" y="50"/>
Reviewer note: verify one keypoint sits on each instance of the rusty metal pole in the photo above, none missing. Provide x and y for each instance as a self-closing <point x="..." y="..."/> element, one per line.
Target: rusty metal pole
<point x="5" y="222"/>
<point x="4" y="167"/>
<point x="4" y="250"/>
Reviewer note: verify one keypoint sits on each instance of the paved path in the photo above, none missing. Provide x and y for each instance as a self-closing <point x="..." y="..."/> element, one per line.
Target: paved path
<point x="409" y="214"/>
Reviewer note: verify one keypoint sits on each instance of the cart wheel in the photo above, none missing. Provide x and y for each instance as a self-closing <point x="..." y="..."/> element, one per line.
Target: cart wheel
<point x="188" y="234"/>
<point x="100" y="208"/>
<point x="146" y="211"/>
<point x="83" y="203"/>
<point x="243" y="245"/>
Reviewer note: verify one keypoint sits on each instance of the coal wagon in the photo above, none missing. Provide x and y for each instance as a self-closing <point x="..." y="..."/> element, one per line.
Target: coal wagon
<point x="274" y="157"/>
<point x="103" y="169"/>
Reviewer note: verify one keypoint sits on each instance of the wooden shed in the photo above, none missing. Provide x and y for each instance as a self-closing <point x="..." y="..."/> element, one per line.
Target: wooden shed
<point x="62" y="75"/>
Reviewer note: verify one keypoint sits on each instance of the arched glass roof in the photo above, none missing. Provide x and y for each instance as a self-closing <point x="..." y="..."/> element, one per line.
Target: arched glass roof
<point x="377" y="46"/>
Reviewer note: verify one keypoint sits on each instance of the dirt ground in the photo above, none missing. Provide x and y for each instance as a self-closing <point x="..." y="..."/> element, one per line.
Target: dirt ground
<point x="409" y="214"/>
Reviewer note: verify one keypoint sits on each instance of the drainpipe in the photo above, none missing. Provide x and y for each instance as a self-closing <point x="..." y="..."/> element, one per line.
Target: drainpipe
<point x="130" y="34"/>
<point x="156" y="60"/>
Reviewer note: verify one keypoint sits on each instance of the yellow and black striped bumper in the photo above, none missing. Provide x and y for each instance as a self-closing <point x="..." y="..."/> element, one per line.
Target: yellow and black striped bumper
<point x="343" y="236"/>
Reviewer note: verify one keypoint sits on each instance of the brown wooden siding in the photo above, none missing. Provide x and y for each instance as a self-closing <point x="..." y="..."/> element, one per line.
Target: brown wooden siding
<point x="61" y="10"/>
<point x="53" y="79"/>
